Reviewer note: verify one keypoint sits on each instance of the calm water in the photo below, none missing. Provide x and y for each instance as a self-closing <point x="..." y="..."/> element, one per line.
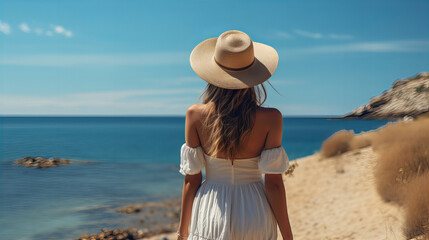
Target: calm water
<point x="131" y="159"/>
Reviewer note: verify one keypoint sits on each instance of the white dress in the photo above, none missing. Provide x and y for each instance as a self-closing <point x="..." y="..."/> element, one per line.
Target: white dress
<point x="231" y="203"/>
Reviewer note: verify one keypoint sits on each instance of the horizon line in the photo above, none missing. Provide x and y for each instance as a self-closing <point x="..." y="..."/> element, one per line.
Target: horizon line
<point x="141" y="115"/>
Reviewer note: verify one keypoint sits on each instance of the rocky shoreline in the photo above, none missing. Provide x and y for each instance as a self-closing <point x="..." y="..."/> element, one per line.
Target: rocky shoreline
<point x="123" y="234"/>
<point x="408" y="98"/>
<point x="149" y="219"/>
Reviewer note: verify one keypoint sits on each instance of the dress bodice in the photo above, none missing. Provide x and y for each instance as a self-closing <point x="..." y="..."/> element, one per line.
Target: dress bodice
<point x="233" y="172"/>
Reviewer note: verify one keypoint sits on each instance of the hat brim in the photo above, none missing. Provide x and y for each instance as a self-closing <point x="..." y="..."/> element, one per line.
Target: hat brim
<point x="203" y="63"/>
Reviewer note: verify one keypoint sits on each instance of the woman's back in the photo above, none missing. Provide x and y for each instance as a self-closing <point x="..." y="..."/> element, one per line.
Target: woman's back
<point x="232" y="201"/>
<point x="266" y="120"/>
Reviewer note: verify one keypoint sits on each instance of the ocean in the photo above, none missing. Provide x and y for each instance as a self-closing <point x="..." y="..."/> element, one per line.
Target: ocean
<point x="122" y="160"/>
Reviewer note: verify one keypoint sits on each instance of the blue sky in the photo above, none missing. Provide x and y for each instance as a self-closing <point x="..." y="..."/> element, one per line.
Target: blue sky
<point x="132" y="57"/>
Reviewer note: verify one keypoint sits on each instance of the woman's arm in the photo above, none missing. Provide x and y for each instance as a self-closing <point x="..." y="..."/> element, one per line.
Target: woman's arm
<point x="277" y="197"/>
<point x="192" y="182"/>
<point x="274" y="182"/>
<point x="190" y="187"/>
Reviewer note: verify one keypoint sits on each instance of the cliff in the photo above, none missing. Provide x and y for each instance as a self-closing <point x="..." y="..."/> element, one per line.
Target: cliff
<point x="407" y="98"/>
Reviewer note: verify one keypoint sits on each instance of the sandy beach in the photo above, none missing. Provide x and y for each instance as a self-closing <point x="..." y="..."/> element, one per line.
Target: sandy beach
<point x="335" y="198"/>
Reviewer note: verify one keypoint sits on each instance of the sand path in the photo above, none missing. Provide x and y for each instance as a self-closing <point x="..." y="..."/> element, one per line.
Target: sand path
<point x="335" y="198"/>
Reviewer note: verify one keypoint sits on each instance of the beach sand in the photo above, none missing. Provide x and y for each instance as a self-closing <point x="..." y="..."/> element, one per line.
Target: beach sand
<point x="335" y="198"/>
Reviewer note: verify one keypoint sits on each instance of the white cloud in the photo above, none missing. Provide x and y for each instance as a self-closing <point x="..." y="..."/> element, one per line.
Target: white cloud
<point x="147" y="59"/>
<point x="109" y="96"/>
<point x="4" y="28"/>
<point x="38" y="31"/>
<point x="24" y="27"/>
<point x="308" y="34"/>
<point x="170" y="101"/>
<point x="282" y="34"/>
<point x="316" y="35"/>
<point x="182" y="80"/>
<point x="68" y="33"/>
<point x="61" y="30"/>
<point x="378" y="47"/>
<point x="306" y="110"/>
<point x="339" y="36"/>
<point x="150" y="101"/>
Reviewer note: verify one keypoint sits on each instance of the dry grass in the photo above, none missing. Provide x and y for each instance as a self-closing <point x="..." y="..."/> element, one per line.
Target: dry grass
<point x="402" y="169"/>
<point x="336" y="144"/>
<point x="417" y="208"/>
<point x="343" y="141"/>
<point x="403" y="154"/>
<point x="291" y="169"/>
<point x="361" y="140"/>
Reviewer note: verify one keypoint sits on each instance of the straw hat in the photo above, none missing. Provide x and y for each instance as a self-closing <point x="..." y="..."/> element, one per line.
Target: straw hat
<point x="234" y="61"/>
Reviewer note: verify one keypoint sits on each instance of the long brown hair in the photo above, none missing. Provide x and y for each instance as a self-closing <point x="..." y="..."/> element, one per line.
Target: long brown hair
<point x="229" y="116"/>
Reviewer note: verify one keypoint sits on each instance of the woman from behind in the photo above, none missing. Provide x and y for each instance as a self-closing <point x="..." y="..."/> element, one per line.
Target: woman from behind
<point x="238" y="142"/>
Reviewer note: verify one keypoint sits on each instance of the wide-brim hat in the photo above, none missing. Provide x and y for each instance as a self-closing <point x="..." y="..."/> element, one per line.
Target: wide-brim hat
<point x="234" y="61"/>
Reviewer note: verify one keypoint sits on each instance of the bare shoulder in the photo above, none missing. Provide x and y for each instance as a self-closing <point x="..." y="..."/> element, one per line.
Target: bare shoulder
<point x="195" y="111"/>
<point x="269" y="115"/>
<point x="193" y="116"/>
<point x="268" y="110"/>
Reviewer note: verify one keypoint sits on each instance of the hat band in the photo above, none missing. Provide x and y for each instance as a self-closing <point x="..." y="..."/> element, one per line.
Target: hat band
<point x="235" y="69"/>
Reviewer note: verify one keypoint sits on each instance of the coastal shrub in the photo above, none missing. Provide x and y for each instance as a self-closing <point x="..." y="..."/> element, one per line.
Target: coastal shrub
<point x="389" y="133"/>
<point x="361" y="140"/>
<point x="403" y="154"/>
<point x="337" y="143"/>
<point x="416" y="207"/>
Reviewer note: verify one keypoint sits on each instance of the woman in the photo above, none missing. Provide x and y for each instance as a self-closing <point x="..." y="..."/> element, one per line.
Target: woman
<point x="239" y="144"/>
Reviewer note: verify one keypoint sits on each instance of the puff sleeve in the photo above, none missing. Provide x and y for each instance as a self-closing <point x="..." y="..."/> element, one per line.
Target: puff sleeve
<point x="274" y="160"/>
<point x="191" y="160"/>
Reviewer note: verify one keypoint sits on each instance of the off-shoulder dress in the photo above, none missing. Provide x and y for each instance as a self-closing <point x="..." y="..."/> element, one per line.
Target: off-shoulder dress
<point x="232" y="203"/>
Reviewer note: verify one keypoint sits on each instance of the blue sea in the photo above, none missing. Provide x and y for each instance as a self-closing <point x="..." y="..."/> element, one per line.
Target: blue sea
<point x="122" y="160"/>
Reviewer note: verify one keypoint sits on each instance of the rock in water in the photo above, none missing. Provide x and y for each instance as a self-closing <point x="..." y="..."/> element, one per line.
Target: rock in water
<point x="41" y="162"/>
<point x="407" y="98"/>
<point x="129" y="209"/>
